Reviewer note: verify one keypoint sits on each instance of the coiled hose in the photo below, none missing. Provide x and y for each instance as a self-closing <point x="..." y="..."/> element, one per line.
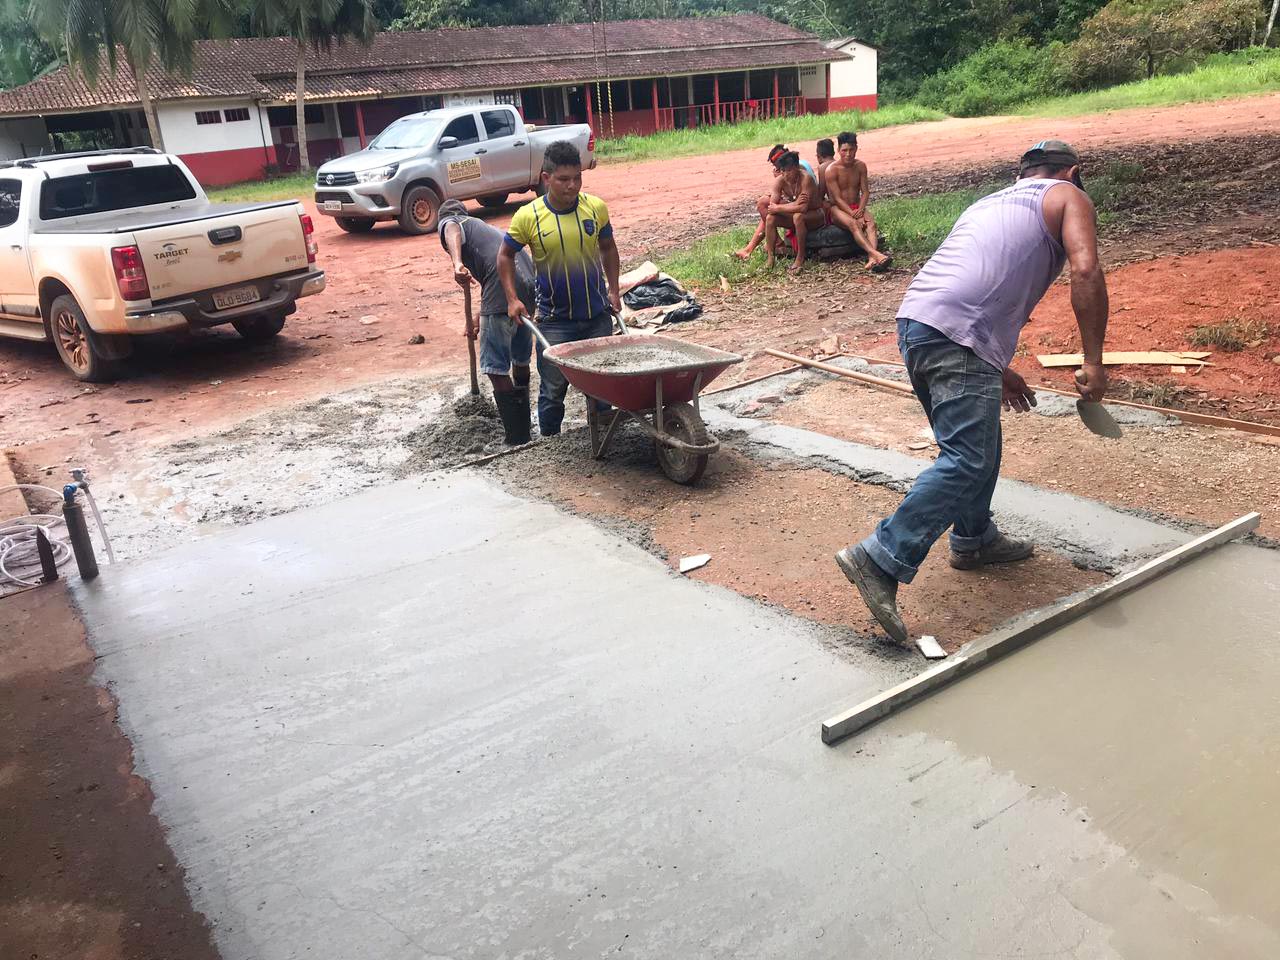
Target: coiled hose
<point x="19" y="558"/>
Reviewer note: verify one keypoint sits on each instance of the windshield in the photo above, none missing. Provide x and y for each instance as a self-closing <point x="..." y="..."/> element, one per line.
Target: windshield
<point x="407" y="133"/>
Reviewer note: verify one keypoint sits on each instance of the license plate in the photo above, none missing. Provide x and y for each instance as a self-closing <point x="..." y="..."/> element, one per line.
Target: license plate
<point x="237" y="297"/>
<point x="334" y="206"/>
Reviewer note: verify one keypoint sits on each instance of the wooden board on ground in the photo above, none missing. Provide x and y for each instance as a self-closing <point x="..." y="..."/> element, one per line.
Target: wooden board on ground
<point x="1158" y="358"/>
<point x="1023" y="632"/>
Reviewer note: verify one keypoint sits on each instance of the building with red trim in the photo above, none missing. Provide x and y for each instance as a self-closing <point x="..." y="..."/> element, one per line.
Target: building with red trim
<point x="234" y="117"/>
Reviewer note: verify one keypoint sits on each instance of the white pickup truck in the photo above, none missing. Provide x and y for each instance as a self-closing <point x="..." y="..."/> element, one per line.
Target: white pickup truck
<point x="97" y="248"/>
<point x="457" y="153"/>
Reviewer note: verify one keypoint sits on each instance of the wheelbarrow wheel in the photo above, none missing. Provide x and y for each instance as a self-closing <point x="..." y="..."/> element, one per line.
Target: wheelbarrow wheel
<point x="682" y="422"/>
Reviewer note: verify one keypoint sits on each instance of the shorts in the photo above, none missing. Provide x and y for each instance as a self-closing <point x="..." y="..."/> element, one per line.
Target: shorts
<point x="503" y="345"/>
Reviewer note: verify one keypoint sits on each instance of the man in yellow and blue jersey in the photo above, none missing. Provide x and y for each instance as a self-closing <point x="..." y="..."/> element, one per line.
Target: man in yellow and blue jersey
<point x="575" y="258"/>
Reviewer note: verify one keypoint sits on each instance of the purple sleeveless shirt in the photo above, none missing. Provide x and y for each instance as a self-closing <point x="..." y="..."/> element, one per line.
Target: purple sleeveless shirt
<point x="994" y="267"/>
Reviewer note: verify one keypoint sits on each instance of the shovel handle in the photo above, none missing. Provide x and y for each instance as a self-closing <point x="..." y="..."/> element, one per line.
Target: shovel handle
<point x="471" y="339"/>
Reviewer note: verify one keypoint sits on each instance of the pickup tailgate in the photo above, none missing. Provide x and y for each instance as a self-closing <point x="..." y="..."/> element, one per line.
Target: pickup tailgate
<point x="212" y="252"/>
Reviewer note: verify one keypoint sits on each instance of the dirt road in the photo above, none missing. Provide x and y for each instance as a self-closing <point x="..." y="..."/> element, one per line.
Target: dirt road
<point x="385" y="287"/>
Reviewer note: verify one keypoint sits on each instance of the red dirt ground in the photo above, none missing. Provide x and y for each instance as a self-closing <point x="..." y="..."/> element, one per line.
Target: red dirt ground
<point x="403" y="282"/>
<point x="85" y="871"/>
<point x="1157" y="305"/>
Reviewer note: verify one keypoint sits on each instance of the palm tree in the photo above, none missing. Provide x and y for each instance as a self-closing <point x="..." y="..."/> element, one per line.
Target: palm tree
<point x="315" y="25"/>
<point x="148" y="32"/>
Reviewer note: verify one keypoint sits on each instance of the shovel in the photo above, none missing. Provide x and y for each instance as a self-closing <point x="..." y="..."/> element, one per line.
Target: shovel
<point x="1096" y="417"/>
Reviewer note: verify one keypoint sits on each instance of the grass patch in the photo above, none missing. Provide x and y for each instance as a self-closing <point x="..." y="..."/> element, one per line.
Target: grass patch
<point x="913" y="228"/>
<point x="293" y="187"/>
<point x="1230" y="335"/>
<point x="1156" y="393"/>
<point x="758" y="133"/>
<point x="1246" y="72"/>
<point x="707" y="260"/>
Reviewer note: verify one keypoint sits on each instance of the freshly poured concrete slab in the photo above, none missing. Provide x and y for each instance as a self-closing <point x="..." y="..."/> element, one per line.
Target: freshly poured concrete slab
<point x="440" y="721"/>
<point x="1158" y="715"/>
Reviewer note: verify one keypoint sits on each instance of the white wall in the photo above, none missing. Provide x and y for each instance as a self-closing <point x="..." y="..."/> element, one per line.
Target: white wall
<point x="813" y="82"/>
<point x="857" y="77"/>
<point x="469" y="99"/>
<point x="182" y="134"/>
<point x="19" y="132"/>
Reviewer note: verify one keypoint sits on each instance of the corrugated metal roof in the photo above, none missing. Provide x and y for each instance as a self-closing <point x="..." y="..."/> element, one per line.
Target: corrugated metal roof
<point x="398" y="63"/>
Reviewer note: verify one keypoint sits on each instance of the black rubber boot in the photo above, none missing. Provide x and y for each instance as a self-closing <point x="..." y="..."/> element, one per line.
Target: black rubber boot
<point x="513" y="408"/>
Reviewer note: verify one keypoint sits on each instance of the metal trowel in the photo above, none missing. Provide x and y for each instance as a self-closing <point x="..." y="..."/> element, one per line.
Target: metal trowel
<point x="1096" y="417"/>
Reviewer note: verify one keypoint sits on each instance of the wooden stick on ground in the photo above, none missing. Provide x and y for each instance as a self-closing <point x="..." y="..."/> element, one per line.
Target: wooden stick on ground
<point x="764" y="376"/>
<point x="1187" y="416"/>
<point x="1020" y="634"/>
<point x="866" y="378"/>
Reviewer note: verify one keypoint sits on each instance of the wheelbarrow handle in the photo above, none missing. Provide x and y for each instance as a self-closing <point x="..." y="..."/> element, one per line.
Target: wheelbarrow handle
<point x="546" y="344"/>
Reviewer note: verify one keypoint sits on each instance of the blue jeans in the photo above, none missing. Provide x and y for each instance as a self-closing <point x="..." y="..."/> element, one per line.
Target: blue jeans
<point x="502" y="344"/>
<point x="960" y="393"/>
<point x="553" y="386"/>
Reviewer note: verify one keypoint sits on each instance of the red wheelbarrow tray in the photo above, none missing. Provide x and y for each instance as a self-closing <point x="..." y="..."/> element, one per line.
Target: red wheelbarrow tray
<point x="635" y="390"/>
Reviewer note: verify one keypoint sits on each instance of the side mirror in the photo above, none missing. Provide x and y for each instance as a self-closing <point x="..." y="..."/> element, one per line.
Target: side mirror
<point x="448" y="143"/>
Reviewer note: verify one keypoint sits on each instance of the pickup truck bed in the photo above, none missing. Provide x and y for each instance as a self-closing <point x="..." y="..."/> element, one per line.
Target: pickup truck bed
<point x="126" y="221"/>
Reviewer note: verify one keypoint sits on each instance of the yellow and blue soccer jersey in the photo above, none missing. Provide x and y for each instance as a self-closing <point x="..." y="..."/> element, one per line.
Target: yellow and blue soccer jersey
<point x="565" y="246"/>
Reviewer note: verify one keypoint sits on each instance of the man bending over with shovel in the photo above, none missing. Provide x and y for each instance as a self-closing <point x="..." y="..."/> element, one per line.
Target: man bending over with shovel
<point x="505" y="347"/>
<point x="576" y="262"/>
<point x="957" y="330"/>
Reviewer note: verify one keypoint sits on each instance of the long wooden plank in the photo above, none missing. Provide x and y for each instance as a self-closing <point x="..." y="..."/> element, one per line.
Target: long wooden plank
<point x="1159" y="358"/>
<point x="765" y="376"/>
<point x="1005" y="642"/>
<point x="1187" y="416"/>
<point x="866" y="378"/>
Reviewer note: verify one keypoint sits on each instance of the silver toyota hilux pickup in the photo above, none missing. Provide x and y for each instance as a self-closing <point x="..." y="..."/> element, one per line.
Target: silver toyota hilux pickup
<point x="421" y="160"/>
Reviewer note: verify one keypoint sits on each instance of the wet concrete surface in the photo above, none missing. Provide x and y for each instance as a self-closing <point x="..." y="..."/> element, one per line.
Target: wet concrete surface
<point x="1162" y="722"/>
<point x="1092" y="534"/>
<point x="391" y="726"/>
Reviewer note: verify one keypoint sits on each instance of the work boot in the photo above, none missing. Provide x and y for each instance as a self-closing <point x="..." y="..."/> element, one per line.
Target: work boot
<point x="1000" y="550"/>
<point x="513" y="409"/>
<point x="879" y="590"/>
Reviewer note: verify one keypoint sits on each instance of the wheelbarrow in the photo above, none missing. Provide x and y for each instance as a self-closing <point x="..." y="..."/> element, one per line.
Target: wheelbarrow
<point x="643" y="376"/>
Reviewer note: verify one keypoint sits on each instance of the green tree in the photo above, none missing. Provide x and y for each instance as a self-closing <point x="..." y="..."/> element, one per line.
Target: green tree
<point x="146" y="32"/>
<point x="314" y="25"/>
<point x="1130" y="39"/>
<point x="24" y="54"/>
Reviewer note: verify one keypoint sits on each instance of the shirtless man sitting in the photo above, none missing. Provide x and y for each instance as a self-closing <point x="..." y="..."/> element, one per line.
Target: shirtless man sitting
<point x="762" y="204"/>
<point x="826" y="153"/>
<point x="849" y="189"/>
<point x="795" y="203"/>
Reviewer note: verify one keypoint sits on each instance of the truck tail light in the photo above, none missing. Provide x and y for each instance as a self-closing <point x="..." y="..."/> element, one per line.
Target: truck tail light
<point x="131" y="276"/>
<point x="591" y="143"/>
<point x="309" y="235"/>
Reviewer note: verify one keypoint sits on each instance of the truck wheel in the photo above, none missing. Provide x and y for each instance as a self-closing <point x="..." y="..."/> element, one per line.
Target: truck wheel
<point x="83" y="351"/>
<point x="419" y="210"/>
<point x="354" y="224"/>
<point x="494" y="200"/>
<point x="260" y="327"/>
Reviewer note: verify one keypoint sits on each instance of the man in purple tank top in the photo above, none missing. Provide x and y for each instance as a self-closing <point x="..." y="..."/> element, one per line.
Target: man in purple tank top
<point x="958" y="327"/>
